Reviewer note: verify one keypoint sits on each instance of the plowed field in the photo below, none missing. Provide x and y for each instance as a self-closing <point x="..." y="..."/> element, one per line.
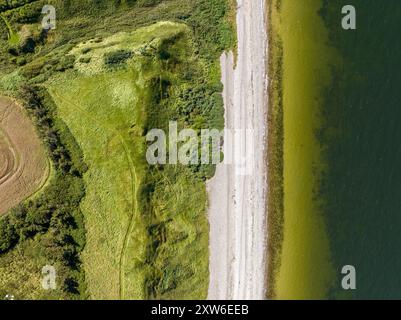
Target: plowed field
<point x="23" y="162"/>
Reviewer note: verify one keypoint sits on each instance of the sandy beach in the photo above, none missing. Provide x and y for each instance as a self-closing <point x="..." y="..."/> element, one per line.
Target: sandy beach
<point x="237" y="201"/>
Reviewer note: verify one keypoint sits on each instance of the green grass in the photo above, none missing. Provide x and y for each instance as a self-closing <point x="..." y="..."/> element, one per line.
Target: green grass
<point x="13" y="38"/>
<point x="102" y="130"/>
<point x="122" y="259"/>
<point x="26" y="283"/>
<point x="146" y="227"/>
<point x="211" y="21"/>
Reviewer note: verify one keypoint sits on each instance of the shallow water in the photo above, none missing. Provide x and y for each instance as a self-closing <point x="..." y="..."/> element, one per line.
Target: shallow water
<point x="305" y="271"/>
<point x="342" y="149"/>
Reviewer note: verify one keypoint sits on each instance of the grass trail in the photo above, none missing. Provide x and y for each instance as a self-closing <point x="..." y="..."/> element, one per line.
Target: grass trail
<point x="134" y="183"/>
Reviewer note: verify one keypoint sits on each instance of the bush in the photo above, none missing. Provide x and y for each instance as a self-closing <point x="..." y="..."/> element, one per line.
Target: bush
<point x="85" y="59"/>
<point x="117" y="57"/>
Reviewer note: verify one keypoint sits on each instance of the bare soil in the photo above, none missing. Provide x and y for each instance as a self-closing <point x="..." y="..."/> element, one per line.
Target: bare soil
<point x="24" y="165"/>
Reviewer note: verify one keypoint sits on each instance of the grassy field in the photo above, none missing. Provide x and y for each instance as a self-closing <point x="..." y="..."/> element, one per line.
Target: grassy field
<point x="122" y="214"/>
<point x="111" y="180"/>
<point x="303" y="268"/>
<point x="110" y="133"/>
<point x="26" y="282"/>
<point x="96" y="89"/>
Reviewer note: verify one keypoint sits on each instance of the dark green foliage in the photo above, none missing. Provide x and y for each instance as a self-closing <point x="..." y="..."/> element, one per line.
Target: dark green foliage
<point x="118" y="57"/>
<point x="202" y="100"/>
<point x="184" y="92"/>
<point x="85" y="50"/>
<point x="8" y="234"/>
<point x="66" y="62"/>
<point x="213" y="33"/>
<point x="85" y="60"/>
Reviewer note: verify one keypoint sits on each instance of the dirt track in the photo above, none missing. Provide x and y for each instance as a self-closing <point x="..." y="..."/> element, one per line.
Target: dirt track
<point x="237" y="202"/>
<point x="23" y="162"/>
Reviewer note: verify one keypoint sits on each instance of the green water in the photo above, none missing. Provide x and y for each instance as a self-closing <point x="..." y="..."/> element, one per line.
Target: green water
<point x="305" y="271"/>
<point x="361" y="136"/>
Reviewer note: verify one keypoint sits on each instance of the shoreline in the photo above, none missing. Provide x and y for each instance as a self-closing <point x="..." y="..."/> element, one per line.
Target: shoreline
<point x="237" y="203"/>
<point x="275" y="156"/>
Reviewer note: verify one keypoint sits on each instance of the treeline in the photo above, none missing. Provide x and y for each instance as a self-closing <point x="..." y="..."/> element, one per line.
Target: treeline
<point x="52" y="220"/>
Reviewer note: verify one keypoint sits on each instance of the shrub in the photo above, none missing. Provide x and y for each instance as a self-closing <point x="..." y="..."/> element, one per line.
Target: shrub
<point x="118" y="57"/>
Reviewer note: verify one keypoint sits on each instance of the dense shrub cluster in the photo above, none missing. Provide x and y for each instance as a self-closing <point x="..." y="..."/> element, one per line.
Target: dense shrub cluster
<point x="118" y="57"/>
<point x="212" y="30"/>
<point x="185" y="92"/>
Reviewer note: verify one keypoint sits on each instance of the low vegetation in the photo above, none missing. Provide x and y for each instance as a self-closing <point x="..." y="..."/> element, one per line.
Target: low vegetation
<point x="113" y="226"/>
<point x="275" y="157"/>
